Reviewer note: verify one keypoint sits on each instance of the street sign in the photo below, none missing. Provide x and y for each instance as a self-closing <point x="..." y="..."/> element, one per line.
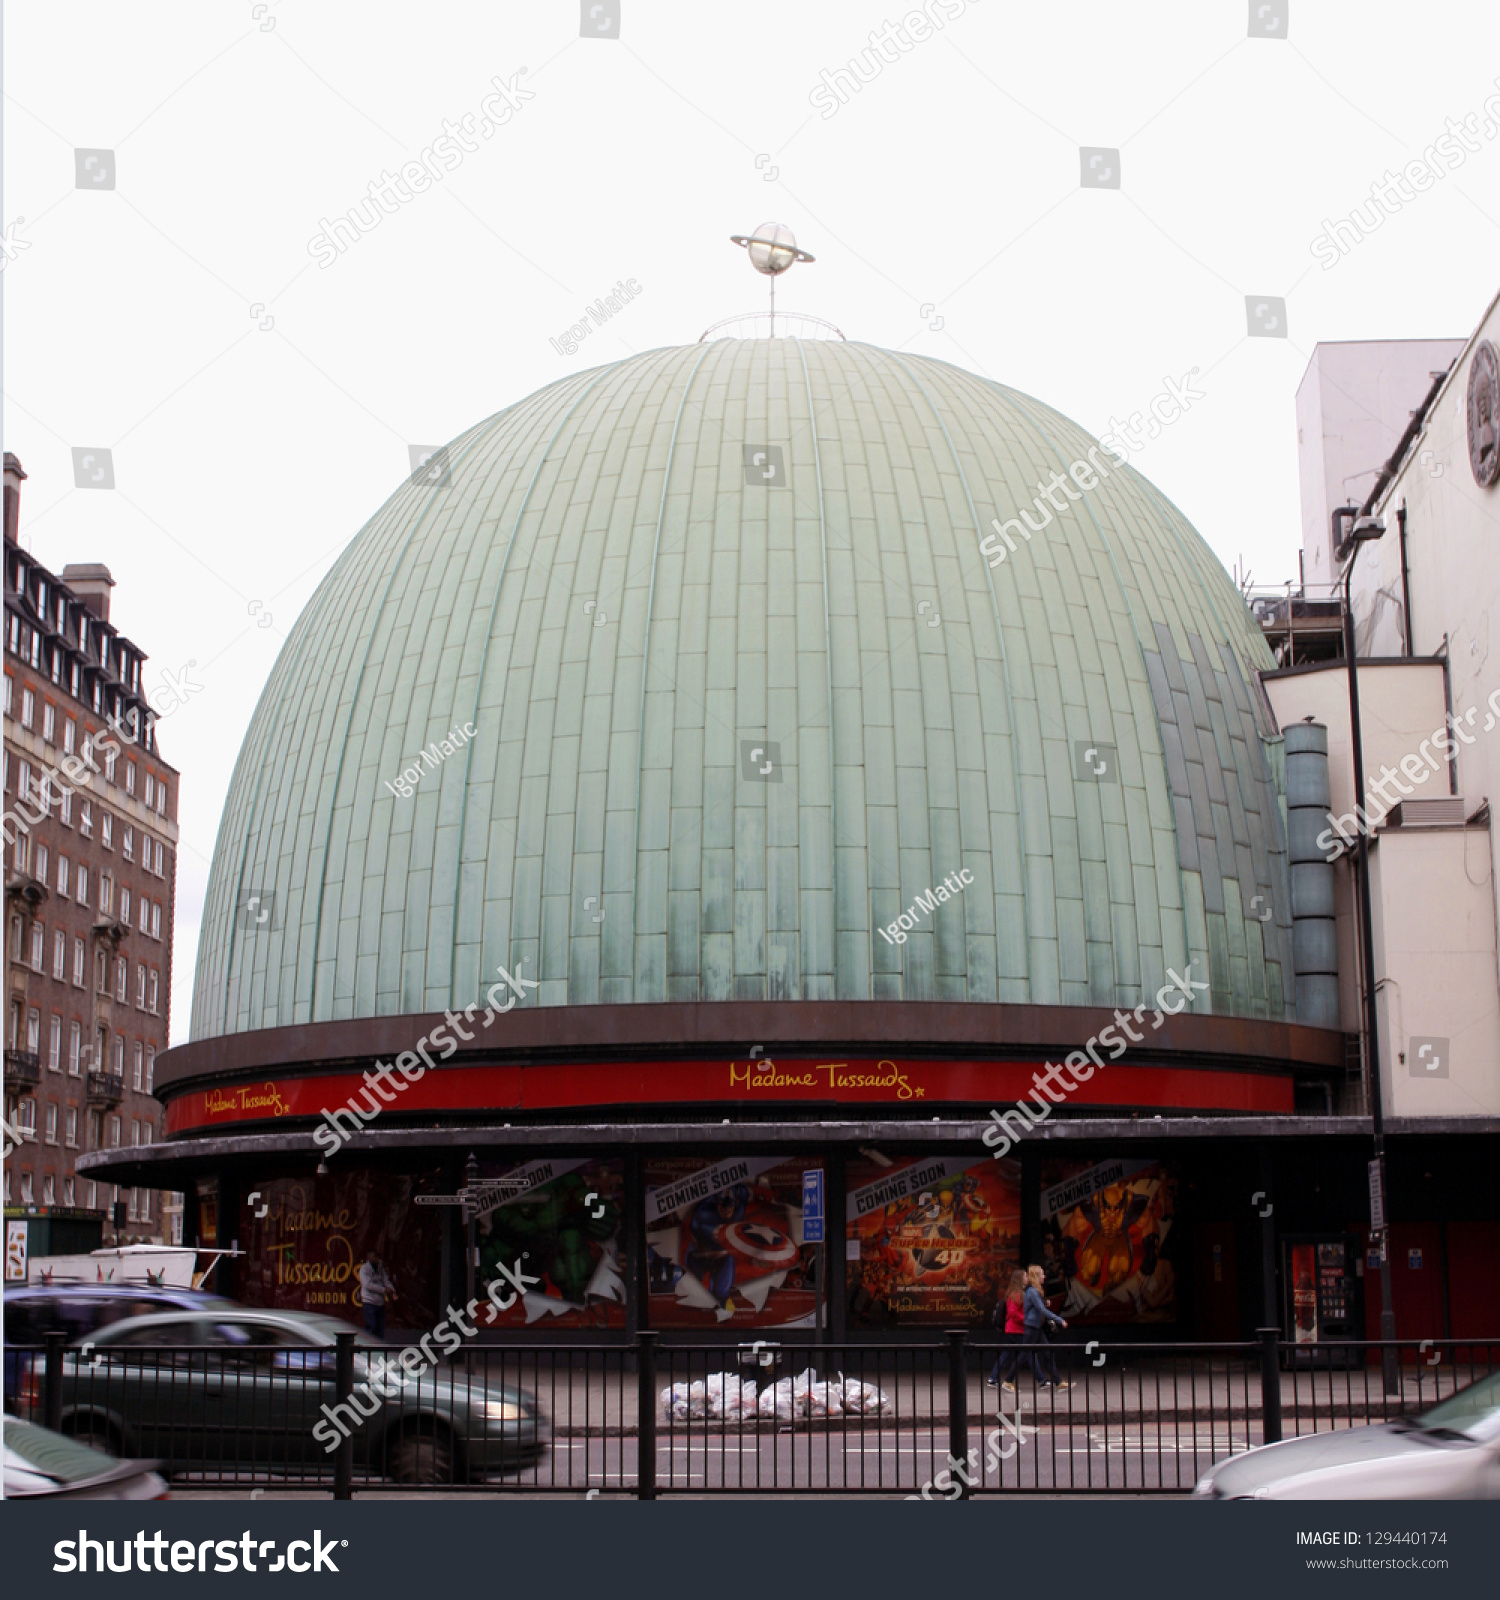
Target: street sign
<point x="1377" y="1197"/>
<point x="812" y="1206"/>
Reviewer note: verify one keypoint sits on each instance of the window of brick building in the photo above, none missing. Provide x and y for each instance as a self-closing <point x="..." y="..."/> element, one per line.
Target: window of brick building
<point x="124" y="904"/>
<point x="28" y="708"/>
<point x="70" y="735"/>
<point x="54" y="1045"/>
<point x="151" y="993"/>
<point x="127" y="844"/>
<point x="140" y="987"/>
<point x="106" y="830"/>
<point x="38" y="946"/>
<point x="49" y="1190"/>
<point x="138" y="1077"/>
<point x="68" y="1192"/>
<point x="63" y="869"/>
<point x="81" y="885"/>
<point x="75" y="1047"/>
<point x="70" y="1135"/>
<point x="59" y="954"/>
<point x="49" y="1133"/>
<point x="34" y="1031"/>
<point x="49" y="723"/>
<point x="150" y="1067"/>
<point x="122" y="977"/>
<point x="155" y="921"/>
<point x="42" y="863"/>
<point x="80" y="957"/>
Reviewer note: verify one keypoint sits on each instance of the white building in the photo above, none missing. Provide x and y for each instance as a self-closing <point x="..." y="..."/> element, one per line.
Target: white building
<point x="1423" y="595"/>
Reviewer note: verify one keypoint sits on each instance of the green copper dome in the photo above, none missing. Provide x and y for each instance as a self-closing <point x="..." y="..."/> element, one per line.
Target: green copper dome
<point x="646" y="584"/>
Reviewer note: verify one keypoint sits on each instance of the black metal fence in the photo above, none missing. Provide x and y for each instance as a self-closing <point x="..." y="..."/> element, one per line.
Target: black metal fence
<point x="762" y="1418"/>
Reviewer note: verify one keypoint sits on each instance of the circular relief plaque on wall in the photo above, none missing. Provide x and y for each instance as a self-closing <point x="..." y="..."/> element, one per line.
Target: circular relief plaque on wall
<point x="1484" y="414"/>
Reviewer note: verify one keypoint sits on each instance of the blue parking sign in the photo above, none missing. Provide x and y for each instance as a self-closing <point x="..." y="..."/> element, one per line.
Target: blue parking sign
<point x="812" y="1206"/>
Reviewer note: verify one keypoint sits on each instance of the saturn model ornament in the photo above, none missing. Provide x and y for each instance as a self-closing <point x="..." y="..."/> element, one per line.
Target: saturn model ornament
<point x="772" y="249"/>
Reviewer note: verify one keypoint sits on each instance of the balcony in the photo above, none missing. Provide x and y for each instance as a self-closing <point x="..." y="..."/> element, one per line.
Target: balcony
<point x="21" y="886"/>
<point x="105" y="1088"/>
<point x="23" y="1070"/>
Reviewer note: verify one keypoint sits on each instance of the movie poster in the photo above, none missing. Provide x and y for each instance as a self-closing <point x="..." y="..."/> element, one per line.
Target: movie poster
<point x="562" y="1228"/>
<point x="724" y="1243"/>
<point x="1107" y="1240"/>
<point x="307" y="1239"/>
<point x="930" y="1240"/>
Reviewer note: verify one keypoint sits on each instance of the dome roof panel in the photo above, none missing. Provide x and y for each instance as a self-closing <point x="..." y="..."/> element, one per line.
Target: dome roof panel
<point x="688" y="676"/>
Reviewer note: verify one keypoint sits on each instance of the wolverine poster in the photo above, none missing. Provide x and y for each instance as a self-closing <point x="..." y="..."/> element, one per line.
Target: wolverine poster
<point x="1107" y="1240"/>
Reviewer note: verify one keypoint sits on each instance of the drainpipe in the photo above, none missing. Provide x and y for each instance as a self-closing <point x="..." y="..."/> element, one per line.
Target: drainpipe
<point x="1405" y="578"/>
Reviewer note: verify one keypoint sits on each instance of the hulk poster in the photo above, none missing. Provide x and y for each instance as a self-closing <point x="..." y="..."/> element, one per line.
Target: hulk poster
<point x="931" y="1240"/>
<point x="563" y="1228"/>
<point x="724" y="1243"/>
<point x="1107" y="1240"/>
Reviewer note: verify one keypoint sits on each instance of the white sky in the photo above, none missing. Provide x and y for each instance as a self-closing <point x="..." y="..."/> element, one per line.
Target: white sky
<point x="246" y="457"/>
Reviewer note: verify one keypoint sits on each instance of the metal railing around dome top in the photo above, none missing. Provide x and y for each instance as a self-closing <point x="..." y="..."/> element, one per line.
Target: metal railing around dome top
<point x="771" y="325"/>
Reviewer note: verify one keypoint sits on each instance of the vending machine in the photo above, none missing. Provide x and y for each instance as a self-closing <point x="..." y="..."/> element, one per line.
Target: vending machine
<point x="1323" y="1289"/>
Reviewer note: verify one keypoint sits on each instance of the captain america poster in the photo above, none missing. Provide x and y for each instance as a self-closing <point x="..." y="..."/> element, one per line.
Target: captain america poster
<point x="724" y="1243"/>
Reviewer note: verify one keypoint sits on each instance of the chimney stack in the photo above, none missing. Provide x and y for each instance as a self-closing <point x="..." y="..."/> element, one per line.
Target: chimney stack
<point x="14" y="477"/>
<point x="91" y="582"/>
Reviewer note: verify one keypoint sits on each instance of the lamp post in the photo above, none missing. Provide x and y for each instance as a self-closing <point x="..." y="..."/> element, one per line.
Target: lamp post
<point x="1366" y="528"/>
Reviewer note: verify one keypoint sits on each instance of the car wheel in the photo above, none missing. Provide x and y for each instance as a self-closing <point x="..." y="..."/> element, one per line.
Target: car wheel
<point x="95" y="1431"/>
<point x="422" y="1458"/>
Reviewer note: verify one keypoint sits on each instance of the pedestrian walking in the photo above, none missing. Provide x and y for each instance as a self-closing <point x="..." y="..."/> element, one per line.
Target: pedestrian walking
<point x="375" y="1287"/>
<point x="1039" y="1316"/>
<point x="1011" y="1313"/>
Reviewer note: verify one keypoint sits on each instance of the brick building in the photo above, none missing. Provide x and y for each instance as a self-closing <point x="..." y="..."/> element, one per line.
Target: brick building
<point x="90" y="839"/>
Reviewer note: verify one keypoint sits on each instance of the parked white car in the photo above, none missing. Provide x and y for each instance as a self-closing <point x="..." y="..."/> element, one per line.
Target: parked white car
<point x="1449" y="1453"/>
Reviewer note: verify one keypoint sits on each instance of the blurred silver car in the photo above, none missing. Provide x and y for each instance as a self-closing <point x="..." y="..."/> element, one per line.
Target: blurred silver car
<point x="41" y="1465"/>
<point x="1451" y="1452"/>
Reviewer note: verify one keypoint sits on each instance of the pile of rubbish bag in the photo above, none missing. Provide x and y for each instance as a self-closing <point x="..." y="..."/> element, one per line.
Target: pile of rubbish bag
<point x="727" y="1397"/>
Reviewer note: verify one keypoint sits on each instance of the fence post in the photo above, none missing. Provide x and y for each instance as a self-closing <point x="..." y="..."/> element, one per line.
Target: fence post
<point x="52" y="1380"/>
<point x="1270" y="1384"/>
<point x="645" y="1406"/>
<point x="343" y="1383"/>
<point x="958" y="1409"/>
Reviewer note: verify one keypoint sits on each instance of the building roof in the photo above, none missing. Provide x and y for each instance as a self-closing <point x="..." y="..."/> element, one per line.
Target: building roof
<point x="614" y="836"/>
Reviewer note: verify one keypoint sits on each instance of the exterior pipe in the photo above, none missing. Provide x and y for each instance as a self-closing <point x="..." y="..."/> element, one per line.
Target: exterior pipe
<point x="1405" y="578"/>
<point x="1372" y="1016"/>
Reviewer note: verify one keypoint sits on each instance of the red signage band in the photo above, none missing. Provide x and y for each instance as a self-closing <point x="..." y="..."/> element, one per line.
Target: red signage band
<point x="744" y="1083"/>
